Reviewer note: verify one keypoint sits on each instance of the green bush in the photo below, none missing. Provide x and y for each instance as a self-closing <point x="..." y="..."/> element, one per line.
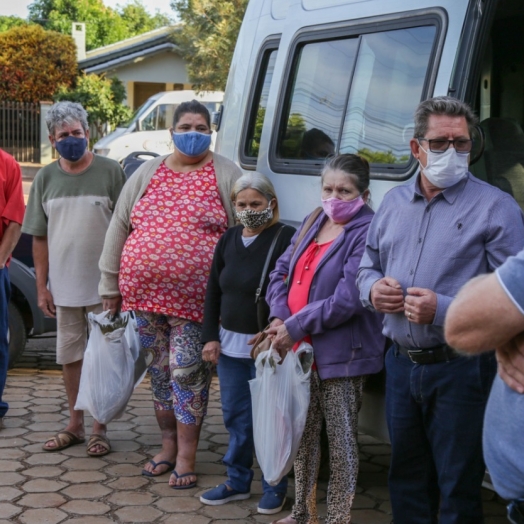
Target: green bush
<point x="34" y="63"/>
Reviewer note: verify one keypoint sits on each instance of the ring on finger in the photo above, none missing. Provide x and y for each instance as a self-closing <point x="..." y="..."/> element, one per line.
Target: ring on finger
<point x="409" y="315"/>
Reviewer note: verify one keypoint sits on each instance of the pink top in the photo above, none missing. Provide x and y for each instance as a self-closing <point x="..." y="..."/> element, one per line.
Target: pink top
<point x="167" y="257"/>
<point x="298" y="296"/>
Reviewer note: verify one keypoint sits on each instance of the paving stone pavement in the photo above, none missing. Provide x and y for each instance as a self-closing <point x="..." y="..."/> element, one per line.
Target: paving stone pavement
<point x="38" y="487"/>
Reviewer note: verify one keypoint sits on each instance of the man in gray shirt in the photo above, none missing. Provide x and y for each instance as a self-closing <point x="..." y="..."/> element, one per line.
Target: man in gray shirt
<point x="426" y="240"/>
<point x="68" y="212"/>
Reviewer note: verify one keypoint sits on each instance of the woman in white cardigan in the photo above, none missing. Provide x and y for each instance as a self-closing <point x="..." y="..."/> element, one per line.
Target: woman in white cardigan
<point x="156" y="260"/>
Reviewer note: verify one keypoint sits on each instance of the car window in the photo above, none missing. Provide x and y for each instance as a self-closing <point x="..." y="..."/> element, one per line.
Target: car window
<point x="149" y="121"/>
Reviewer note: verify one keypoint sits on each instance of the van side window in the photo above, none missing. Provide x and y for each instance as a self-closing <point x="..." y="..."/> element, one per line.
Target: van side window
<point x="379" y="122"/>
<point x="317" y="101"/>
<point x="353" y="94"/>
<point x="257" y="108"/>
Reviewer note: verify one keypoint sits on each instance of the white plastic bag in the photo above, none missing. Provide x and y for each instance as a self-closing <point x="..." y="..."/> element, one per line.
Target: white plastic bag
<point x="139" y="355"/>
<point x="280" y="401"/>
<point x="108" y="369"/>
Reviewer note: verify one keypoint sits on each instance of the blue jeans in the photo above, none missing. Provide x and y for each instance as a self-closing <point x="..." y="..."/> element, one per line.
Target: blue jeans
<point x="234" y="374"/>
<point x="5" y="293"/>
<point x="435" y="414"/>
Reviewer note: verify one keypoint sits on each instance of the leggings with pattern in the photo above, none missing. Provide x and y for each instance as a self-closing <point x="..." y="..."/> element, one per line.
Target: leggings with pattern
<point x="337" y="401"/>
<point x="179" y="378"/>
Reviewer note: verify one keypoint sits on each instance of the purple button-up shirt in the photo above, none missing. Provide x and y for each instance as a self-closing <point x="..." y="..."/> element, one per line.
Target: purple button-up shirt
<point x="466" y="230"/>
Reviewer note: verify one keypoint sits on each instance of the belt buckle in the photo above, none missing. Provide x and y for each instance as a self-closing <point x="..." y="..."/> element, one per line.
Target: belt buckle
<point x="412" y="352"/>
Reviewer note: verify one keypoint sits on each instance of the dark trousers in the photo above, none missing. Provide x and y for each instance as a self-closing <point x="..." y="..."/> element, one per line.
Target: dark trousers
<point x="234" y="375"/>
<point x="435" y="414"/>
<point x="5" y="293"/>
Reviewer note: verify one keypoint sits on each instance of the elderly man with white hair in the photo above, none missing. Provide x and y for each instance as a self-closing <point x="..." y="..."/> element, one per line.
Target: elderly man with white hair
<point x="68" y="212"/>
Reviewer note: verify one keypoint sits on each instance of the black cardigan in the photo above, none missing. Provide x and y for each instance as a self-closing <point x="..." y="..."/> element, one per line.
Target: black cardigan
<point x="234" y="278"/>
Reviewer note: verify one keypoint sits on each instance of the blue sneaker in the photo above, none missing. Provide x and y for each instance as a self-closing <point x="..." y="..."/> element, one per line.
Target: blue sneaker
<point x="222" y="495"/>
<point x="271" y="503"/>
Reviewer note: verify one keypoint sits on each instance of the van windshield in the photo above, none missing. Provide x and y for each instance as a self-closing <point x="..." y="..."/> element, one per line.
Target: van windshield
<point x="139" y="112"/>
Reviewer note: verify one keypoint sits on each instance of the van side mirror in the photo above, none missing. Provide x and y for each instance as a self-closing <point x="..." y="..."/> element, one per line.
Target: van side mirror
<point x="216" y="118"/>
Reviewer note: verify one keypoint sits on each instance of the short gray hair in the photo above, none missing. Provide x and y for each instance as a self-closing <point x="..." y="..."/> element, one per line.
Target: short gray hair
<point x="259" y="183"/>
<point x="65" y="113"/>
<point x="442" y="105"/>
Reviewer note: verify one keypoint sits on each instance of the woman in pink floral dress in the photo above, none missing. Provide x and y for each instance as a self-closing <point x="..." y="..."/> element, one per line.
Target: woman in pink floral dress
<point x="156" y="262"/>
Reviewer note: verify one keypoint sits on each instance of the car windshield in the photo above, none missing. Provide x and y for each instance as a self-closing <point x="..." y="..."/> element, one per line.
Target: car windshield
<point x="139" y="112"/>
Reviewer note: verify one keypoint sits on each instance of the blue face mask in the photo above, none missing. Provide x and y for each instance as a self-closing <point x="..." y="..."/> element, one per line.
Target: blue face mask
<point x="192" y="143"/>
<point x="72" y="148"/>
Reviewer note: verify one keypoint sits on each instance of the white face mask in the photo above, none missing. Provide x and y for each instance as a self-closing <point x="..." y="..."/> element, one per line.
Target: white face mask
<point x="445" y="169"/>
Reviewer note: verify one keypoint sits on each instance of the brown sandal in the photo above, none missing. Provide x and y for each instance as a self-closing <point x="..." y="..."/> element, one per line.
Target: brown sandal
<point x="98" y="440"/>
<point x="63" y="439"/>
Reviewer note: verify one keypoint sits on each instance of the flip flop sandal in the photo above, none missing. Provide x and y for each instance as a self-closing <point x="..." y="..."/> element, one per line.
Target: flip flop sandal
<point x="99" y="440"/>
<point x="187" y="486"/>
<point x="63" y="439"/>
<point x="170" y="466"/>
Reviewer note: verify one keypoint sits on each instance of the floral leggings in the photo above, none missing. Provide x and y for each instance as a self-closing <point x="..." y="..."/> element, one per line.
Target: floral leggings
<point x="179" y="378"/>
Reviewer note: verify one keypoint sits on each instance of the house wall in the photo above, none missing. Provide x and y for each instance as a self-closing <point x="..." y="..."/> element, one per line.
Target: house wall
<point x="165" y="68"/>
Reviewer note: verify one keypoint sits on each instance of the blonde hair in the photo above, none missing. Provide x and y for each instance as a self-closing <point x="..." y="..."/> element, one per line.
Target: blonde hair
<point x="259" y="183"/>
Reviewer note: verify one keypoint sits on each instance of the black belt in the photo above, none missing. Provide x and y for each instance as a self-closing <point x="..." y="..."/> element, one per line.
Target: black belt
<point x="432" y="355"/>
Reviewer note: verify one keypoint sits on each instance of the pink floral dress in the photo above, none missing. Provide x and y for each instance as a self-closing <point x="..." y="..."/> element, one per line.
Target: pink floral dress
<point x="167" y="257"/>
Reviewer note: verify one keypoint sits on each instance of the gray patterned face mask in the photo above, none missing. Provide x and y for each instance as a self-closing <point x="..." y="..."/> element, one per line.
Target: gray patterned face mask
<point x="254" y="219"/>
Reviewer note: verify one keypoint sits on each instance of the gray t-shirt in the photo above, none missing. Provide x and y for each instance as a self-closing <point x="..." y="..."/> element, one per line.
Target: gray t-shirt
<point x="74" y="212"/>
<point x="504" y="419"/>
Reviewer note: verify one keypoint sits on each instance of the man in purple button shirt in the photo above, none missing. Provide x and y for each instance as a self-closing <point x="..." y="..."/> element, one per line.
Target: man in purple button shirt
<point x="427" y="239"/>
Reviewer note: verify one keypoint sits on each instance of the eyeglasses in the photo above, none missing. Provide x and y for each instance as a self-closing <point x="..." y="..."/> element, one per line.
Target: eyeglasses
<point x="461" y="145"/>
<point x="516" y="511"/>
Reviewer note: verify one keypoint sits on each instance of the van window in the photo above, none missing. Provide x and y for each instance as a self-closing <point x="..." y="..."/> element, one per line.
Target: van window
<point x="257" y="107"/>
<point x="379" y="122"/>
<point x="355" y="94"/>
<point x="317" y="99"/>
<point x="500" y="101"/>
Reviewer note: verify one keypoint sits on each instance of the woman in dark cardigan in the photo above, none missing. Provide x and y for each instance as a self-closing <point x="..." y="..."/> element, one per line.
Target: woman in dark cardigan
<point x="230" y="321"/>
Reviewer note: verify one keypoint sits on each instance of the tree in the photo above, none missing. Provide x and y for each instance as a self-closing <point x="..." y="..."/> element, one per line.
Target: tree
<point x="8" y="22"/>
<point x="34" y="63"/>
<point x="208" y="39"/>
<point x="101" y="97"/>
<point x="104" y="25"/>
<point x="139" y="21"/>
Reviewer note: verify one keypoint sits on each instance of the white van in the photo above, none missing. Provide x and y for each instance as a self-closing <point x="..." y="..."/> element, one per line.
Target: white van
<point x="349" y="74"/>
<point x="148" y="128"/>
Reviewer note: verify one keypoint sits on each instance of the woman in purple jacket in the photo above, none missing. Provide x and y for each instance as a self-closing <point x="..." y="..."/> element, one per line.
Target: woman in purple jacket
<point x="313" y="297"/>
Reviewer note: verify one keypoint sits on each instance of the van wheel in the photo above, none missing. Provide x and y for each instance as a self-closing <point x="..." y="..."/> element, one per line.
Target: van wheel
<point x="16" y="335"/>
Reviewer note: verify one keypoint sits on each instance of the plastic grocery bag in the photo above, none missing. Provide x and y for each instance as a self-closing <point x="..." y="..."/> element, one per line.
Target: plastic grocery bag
<point x="139" y="355"/>
<point x="108" y="369"/>
<point x="280" y="401"/>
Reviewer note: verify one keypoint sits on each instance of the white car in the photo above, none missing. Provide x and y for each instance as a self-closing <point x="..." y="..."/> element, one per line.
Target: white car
<point x="148" y="130"/>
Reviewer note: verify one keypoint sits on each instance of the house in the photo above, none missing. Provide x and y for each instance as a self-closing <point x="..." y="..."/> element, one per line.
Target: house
<point x="146" y="64"/>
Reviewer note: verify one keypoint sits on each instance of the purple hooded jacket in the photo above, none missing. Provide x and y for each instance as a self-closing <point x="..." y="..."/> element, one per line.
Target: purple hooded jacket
<point x="347" y="338"/>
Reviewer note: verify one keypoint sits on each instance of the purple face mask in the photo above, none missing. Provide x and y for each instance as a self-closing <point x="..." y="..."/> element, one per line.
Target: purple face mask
<point x="342" y="211"/>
